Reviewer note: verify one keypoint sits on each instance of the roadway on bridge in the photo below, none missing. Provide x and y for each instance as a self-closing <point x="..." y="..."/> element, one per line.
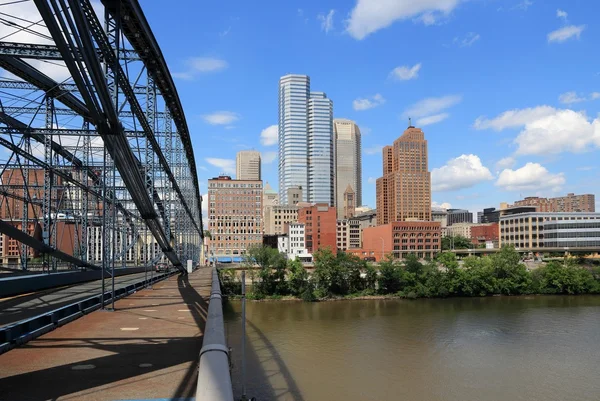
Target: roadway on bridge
<point x="16" y="309"/>
<point x="147" y="348"/>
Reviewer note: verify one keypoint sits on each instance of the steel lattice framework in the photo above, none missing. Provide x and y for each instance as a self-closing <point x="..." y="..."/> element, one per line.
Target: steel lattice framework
<point x="97" y="168"/>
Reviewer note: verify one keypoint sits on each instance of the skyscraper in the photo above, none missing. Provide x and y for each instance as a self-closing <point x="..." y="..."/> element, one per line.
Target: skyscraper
<point x="404" y="191"/>
<point x="305" y="141"/>
<point x="348" y="162"/>
<point x="247" y="165"/>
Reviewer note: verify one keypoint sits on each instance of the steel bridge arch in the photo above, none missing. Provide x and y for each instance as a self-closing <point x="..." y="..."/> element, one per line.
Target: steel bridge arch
<point x="121" y="179"/>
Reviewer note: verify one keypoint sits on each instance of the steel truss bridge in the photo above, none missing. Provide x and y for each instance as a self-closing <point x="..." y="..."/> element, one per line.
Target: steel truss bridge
<point x="97" y="169"/>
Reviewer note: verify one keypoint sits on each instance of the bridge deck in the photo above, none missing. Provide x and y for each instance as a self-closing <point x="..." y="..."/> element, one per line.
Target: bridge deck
<point x="148" y="348"/>
<point x="15" y="309"/>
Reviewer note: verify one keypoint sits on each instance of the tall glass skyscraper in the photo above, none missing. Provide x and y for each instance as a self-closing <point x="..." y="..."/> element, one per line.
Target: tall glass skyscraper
<point x="305" y="141"/>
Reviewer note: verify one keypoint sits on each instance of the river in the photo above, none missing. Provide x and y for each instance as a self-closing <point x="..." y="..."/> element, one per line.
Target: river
<point x="485" y="349"/>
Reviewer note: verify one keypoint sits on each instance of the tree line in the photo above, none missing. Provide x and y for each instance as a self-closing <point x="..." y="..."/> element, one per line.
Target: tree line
<point x="345" y="275"/>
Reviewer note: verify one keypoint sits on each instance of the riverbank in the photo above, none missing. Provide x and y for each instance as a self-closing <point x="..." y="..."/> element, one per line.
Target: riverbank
<point x="360" y="297"/>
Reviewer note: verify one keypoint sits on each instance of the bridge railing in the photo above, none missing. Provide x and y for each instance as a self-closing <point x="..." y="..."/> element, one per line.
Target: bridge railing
<point x="214" y="377"/>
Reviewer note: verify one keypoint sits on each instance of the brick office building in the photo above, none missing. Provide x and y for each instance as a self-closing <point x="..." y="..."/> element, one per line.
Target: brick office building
<point x="320" y="222"/>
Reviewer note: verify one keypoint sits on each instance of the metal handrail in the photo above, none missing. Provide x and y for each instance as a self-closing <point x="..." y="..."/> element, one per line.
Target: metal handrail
<point x="214" y="377"/>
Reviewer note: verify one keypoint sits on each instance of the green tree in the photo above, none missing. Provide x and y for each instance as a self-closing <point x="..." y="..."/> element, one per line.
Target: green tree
<point x="267" y="259"/>
<point x="207" y="234"/>
<point x="511" y="275"/>
<point x="456" y="242"/>
<point x="297" y="278"/>
<point x="370" y="278"/>
<point x="559" y="278"/>
<point x="389" y="276"/>
<point x="328" y="277"/>
<point x="351" y="267"/>
<point x="477" y="278"/>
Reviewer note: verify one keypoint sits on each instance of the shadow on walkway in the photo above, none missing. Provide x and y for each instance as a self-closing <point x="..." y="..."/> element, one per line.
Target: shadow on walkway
<point x="123" y="360"/>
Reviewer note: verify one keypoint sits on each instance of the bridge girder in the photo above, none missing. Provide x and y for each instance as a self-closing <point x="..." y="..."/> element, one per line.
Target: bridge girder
<point x="96" y="97"/>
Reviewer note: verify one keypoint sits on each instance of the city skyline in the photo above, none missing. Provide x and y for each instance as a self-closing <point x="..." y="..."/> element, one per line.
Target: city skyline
<point x="471" y="72"/>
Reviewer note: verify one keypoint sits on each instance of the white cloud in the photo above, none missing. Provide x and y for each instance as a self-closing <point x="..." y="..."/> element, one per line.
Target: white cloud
<point x="326" y="21"/>
<point x="268" y="136"/>
<point x="201" y="65"/>
<point x="565" y="131"/>
<point x="524" y="5"/>
<point x="468" y="40"/>
<point x="561" y="14"/>
<point x="430" y="110"/>
<point x="573" y="97"/>
<point x="530" y="177"/>
<point x="585" y="168"/>
<point x="547" y="130"/>
<point x="11" y="31"/>
<point x="513" y="118"/>
<point x="507" y="162"/>
<point x="372" y="180"/>
<point x="369" y="16"/>
<point x="462" y="172"/>
<point x="373" y="150"/>
<point x="443" y="205"/>
<point x="203" y="168"/>
<point x="565" y="33"/>
<point x="434" y="119"/>
<point x="405" y="72"/>
<point x="226" y="165"/>
<point x="361" y="104"/>
<point x="221" y="117"/>
<point x="428" y="18"/>
<point x="268" y="157"/>
<point x="570" y="97"/>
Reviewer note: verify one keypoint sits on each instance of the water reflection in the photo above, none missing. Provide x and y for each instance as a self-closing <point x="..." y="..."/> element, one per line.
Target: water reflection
<point x="518" y="348"/>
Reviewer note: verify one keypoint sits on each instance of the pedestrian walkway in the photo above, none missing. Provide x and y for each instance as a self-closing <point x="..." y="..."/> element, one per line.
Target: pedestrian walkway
<point x="146" y="349"/>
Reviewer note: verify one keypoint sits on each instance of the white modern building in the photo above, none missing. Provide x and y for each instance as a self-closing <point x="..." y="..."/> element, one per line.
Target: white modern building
<point x="305" y="132"/>
<point x="293" y="243"/>
<point x="550" y="230"/>
<point x="348" y="162"/>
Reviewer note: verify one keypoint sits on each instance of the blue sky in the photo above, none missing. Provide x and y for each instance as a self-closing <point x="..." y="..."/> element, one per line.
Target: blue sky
<point x="507" y="91"/>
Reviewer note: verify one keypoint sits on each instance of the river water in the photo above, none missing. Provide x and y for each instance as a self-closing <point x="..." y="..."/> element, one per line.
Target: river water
<point x="484" y="349"/>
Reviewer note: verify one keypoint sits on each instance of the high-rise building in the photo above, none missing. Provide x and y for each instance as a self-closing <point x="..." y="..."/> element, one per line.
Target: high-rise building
<point x="404" y="191"/>
<point x="459" y="216"/>
<point x="348" y="162"/>
<point x="234" y="215"/>
<point x="561" y="204"/>
<point x="247" y="165"/>
<point x="305" y="130"/>
<point x="489" y="215"/>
